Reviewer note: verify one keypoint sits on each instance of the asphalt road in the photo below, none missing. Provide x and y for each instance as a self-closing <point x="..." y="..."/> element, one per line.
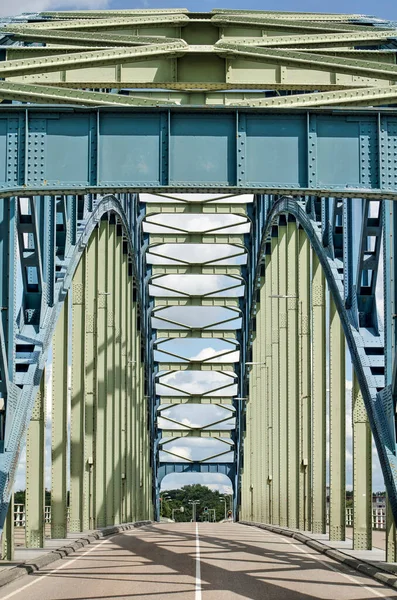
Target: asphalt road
<point x="189" y="562"/>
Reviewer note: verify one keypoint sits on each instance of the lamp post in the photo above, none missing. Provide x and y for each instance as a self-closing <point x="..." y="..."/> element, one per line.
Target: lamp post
<point x="194" y="504"/>
<point x="224" y="501"/>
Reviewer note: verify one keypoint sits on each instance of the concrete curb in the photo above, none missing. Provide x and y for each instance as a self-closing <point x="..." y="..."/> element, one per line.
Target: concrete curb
<point x="375" y="571"/>
<point x="30" y="566"/>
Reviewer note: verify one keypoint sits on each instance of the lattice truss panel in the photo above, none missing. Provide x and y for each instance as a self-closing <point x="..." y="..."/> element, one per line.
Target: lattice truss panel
<point x="224" y="57"/>
<point x="196" y="261"/>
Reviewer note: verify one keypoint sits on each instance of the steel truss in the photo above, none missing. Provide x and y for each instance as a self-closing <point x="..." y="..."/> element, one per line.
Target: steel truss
<point x="46" y="244"/>
<point x="322" y="219"/>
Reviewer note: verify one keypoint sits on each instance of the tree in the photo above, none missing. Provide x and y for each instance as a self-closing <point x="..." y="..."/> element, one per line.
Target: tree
<point x="181" y="497"/>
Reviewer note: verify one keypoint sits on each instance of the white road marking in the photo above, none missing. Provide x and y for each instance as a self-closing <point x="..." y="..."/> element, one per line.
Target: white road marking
<point x="328" y="566"/>
<point x="198" y="566"/>
<point x="44" y="576"/>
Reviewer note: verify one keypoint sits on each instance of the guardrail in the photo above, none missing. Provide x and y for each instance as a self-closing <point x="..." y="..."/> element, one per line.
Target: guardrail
<point x="378" y="516"/>
<point x="20" y="519"/>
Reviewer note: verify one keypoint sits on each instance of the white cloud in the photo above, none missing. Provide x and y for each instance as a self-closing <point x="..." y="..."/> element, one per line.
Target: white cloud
<point x="19" y="6"/>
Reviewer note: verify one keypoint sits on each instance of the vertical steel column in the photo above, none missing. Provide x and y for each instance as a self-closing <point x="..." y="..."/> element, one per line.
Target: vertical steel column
<point x="35" y="472"/>
<point x="268" y="481"/>
<point x="293" y="371"/>
<point x="110" y="380"/>
<point x="124" y="379"/>
<point x="77" y="412"/>
<point x="391" y="541"/>
<point x="59" y="425"/>
<point x="7" y="538"/>
<point x="275" y="380"/>
<point x="117" y="376"/>
<point x="250" y="442"/>
<point x="91" y="266"/>
<point x="319" y="397"/>
<point x="133" y="409"/>
<point x="305" y="399"/>
<point x="101" y="397"/>
<point x="390" y="326"/>
<point x="283" y="376"/>
<point x="263" y="458"/>
<point x="129" y="398"/>
<point x="362" y="472"/>
<point x="137" y="428"/>
<point x="337" y="424"/>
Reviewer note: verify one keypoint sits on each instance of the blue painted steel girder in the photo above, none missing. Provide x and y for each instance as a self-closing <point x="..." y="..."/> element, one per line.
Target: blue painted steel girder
<point x="322" y="152"/>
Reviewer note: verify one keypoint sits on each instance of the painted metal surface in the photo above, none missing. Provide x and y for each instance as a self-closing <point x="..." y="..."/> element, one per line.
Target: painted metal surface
<point x="325" y="181"/>
<point x="340" y="153"/>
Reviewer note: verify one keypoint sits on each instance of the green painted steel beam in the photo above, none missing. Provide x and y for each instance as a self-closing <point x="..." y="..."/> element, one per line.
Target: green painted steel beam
<point x="290" y="24"/>
<point x="337" y="427"/>
<point x="196" y="433"/>
<point x="283" y="375"/>
<point x="275" y="342"/>
<point x="196" y="366"/>
<point x="220" y="400"/>
<point x="290" y="15"/>
<point x="28" y="92"/>
<point x="319" y="397"/>
<point x="352" y="97"/>
<point x="268" y="424"/>
<point x="53" y="95"/>
<point x="362" y="472"/>
<point x="196" y="333"/>
<point x="112" y="22"/>
<point x="197" y="270"/>
<point x="195" y="301"/>
<point x="104" y="14"/>
<point x="357" y="38"/>
<point x="117" y="366"/>
<point x="8" y="536"/>
<point x="293" y="404"/>
<point x="90" y="387"/>
<point x="196" y="208"/>
<point x="197" y="238"/>
<point x="35" y="472"/>
<point x="106" y="302"/>
<point x="59" y="423"/>
<point x="78" y="464"/>
<point x="100" y="416"/>
<point x="75" y="38"/>
<point x="101" y="58"/>
<point x="334" y="64"/>
<point x="305" y="396"/>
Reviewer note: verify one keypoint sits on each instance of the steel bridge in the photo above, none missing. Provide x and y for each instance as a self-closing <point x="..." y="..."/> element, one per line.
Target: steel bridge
<point x="195" y="211"/>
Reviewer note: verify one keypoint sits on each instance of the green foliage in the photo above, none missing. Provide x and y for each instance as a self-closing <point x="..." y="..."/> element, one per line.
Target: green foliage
<point x="181" y="497"/>
<point x="19" y="497"/>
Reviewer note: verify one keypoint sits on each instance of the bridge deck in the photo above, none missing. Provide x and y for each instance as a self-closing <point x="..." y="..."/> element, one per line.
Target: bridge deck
<point x="215" y="561"/>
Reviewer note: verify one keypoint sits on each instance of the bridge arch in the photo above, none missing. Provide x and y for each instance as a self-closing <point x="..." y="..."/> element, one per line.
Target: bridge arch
<point x="359" y="336"/>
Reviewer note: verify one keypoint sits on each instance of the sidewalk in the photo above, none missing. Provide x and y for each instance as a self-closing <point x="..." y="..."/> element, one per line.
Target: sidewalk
<point x="371" y="562"/>
<point x="28" y="560"/>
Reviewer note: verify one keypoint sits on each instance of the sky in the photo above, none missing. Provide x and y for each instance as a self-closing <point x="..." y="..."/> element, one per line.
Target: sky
<point x="386" y="9"/>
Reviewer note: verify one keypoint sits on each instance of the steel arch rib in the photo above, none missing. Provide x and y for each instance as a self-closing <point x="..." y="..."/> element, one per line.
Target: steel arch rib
<point x="21" y="401"/>
<point x="378" y="404"/>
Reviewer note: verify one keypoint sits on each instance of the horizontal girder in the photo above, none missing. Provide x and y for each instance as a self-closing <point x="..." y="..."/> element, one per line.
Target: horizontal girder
<point x="308" y="156"/>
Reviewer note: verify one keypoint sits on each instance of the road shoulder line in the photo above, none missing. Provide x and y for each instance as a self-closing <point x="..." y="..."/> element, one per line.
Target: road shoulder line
<point x="11" y="574"/>
<point x="381" y="574"/>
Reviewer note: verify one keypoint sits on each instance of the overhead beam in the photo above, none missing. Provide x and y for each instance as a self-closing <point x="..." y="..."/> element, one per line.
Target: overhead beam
<point x="112" y="143"/>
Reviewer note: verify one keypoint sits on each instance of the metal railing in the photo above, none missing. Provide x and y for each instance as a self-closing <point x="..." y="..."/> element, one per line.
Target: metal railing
<point x="19" y="515"/>
<point x="378" y="518"/>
